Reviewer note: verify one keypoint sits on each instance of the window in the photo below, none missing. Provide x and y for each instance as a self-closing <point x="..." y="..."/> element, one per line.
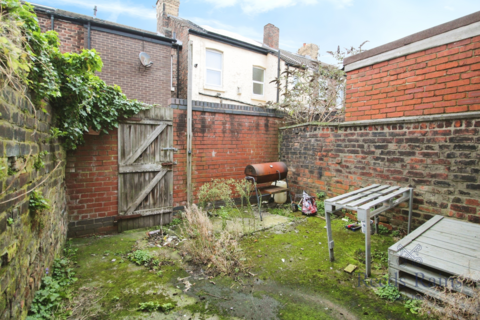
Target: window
<point x="214" y="68"/>
<point x="258" y="79"/>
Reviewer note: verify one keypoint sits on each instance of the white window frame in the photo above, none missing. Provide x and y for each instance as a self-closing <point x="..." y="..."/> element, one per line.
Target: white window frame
<point x="209" y="85"/>
<point x="259" y="82"/>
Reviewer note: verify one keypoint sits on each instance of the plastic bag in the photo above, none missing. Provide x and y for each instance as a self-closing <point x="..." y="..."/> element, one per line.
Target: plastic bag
<point x="309" y="206"/>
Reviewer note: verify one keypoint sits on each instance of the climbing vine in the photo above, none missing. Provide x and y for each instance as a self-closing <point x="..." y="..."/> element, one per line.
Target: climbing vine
<point x="81" y="100"/>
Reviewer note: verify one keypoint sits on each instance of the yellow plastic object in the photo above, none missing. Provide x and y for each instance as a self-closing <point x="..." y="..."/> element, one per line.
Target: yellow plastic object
<point x="280" y="197"/>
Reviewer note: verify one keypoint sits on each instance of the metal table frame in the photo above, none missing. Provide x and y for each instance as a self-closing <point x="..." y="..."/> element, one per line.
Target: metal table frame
<point x="369" y="202"/>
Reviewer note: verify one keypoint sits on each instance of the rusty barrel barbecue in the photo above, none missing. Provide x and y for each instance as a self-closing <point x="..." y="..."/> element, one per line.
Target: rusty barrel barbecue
<point x="264" y="173"/>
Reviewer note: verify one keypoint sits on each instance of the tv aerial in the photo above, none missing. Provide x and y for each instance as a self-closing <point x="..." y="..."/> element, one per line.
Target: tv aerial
<point x="145" y="60"/>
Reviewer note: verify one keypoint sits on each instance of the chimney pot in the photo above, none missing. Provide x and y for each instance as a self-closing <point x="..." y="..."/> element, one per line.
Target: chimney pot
<point x="271" y="36"/>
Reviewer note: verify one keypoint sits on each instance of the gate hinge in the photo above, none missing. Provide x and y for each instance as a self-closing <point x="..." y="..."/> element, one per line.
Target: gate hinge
<point x="170" y="149"/>
<point x="169" y="163"/>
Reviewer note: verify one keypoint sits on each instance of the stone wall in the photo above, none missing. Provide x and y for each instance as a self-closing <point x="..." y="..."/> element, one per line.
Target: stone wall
<point x="438" y="157"/>
<point x="28" y="244"/>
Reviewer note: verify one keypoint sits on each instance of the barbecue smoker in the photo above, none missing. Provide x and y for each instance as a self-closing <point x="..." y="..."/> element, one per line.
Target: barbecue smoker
<point x="263" y="173"/>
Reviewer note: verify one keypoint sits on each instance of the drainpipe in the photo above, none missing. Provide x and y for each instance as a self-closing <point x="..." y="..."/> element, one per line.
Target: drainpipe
<point x="178" y="70"/>
<point x="52" y="19"/>
<point x="89" y="36"/>
<point x="278" y="77"/>
<point x="189" y="122"/>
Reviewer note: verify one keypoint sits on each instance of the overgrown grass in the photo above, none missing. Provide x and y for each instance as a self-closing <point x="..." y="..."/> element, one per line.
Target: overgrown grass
<point x="218" y="251"/>
<point x="460" y="305"/>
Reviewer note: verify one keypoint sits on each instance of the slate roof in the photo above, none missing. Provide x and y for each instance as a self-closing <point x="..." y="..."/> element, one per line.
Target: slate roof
<point x="59" y="13"/>
<point x="293" y="59"/>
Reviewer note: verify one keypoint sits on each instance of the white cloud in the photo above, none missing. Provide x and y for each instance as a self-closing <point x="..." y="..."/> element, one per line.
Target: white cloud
<point x="248" y="32"/>
<point x="114" y="8"/>
<point x="259" y="6"/>
<point x="449" y="8"/>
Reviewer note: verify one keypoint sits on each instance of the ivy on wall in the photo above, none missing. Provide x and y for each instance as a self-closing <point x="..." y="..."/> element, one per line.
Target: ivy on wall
<point x="81" y="100"/>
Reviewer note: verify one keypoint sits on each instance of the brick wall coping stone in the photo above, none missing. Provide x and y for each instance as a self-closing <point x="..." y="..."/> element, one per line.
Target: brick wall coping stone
<point x="430" y="118"/>
<point x="181" y="104"/>
<point x="456" y="30"/>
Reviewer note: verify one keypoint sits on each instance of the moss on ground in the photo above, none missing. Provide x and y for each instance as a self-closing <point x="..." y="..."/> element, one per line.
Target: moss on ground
<point x="307" y="268"/>
<point x="306" y="285"/>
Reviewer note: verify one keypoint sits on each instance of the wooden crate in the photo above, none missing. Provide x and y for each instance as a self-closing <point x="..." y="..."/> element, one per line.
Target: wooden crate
<point x="433" y="255"/>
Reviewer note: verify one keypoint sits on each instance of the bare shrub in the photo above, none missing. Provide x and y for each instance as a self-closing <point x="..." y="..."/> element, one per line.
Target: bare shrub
<point x="224" y="190"/>
<point x="459" y="305"/>
<point x="219" y="251"/>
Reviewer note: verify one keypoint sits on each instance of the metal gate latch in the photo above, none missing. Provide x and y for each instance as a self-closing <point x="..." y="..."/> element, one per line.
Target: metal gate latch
<point x="170" y="149"/>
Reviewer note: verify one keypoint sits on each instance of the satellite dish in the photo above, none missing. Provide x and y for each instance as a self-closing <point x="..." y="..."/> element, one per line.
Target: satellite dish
<point x="145" y="59"/>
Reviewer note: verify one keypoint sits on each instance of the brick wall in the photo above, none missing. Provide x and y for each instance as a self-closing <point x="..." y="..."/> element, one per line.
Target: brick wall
<point x="121" y="66"/>
<point x="439" y="159"/>
<point x="92" y="184"/>
<point x="444" y="79"/>
<point x="223" y="145"/>
<point x="92" y="174"/>
<point x="28" y="244"/>
<point x="72" y="35"/>
<point x="181" y="33"/>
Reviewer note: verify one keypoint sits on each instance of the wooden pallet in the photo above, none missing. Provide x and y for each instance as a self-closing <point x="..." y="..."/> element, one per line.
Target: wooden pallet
<point x="433" y="255"/>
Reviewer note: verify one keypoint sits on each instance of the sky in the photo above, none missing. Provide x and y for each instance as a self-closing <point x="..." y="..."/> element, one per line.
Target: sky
<point x="327" y="23"/>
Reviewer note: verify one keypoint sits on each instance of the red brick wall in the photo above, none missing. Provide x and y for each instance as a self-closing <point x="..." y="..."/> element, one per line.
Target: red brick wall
<point x="445" y="79"/>
<point x="92" y="183"/>
<point x="438" y="159"/>
<point x="181" y="33"/>
<point x="223" y="145"/>
<point x="92" y="169"/>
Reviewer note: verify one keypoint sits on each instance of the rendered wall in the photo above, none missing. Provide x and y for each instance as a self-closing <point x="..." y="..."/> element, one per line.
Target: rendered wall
<point x="237" y="72"/>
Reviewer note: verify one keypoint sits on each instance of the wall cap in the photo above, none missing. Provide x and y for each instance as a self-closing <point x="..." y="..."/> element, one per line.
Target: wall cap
<point x="458" y="29"/>
<point x="402" y="120"/>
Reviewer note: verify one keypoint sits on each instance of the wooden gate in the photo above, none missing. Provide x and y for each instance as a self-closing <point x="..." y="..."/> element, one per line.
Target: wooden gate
<point x="145" y="160"/>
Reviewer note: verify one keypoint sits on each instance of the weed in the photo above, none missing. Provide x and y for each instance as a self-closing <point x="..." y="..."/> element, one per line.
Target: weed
<point x="282" y="211"/>
<point x="37" y="203"/>
<point x="218" y="251"/>
<point x="459" y="305"/>
<point x="388" y="292"/>
<point x="382" y="229"/>
<point x="10" y="221"/>
<point x="413" y="305"/>
<point x="175" y="222"/>
<point x="140" y="257"/>
<point x="321" y="196"/>
<point x="396" y="233"/>
<point x="39" y="164"/>
<point x="151" y="306"/>
<point x="223" y="190"/>
<point x="10" y="171"/>
<point x="55" y="289"/>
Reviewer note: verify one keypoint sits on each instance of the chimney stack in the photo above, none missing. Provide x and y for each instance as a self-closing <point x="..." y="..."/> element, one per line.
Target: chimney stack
<point x="271" y="36"/>
<point x="310" y="50"/>
<point x="165" y="8"/>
